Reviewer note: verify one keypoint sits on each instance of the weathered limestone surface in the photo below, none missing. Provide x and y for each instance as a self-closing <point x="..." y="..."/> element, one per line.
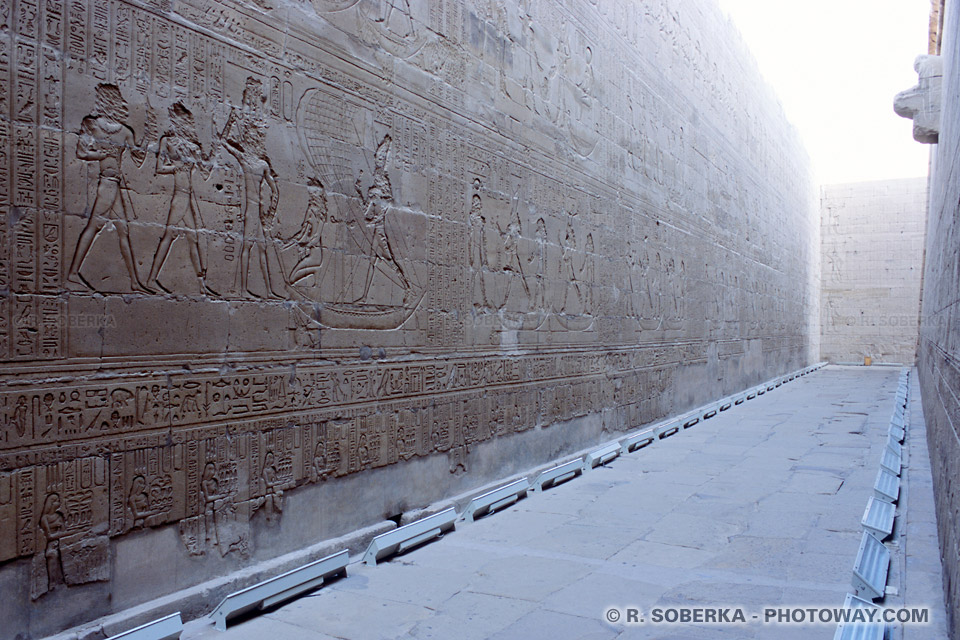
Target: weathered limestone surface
<point x="274" y="270"/>
<point x="939" y="358"/>
<point x="872" y="239"/>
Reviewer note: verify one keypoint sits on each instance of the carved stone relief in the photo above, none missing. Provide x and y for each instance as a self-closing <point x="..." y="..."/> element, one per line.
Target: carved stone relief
<point x="248" y="249"/>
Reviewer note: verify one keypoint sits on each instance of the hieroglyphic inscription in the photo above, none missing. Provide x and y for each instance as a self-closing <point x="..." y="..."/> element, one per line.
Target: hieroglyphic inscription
<point x="58" y="414"/>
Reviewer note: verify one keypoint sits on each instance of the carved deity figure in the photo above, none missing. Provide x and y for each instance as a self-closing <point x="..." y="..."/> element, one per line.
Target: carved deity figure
<point x="588" y="274"/>
<point x="376" y="201"/>
<point x="510" y="237"/>
<point x="308" y="240"/>
<point x="651" y="301"/>
<point x="494" y="252"/>
<point x="272" y="500"/>
<point x="224" y="526"/>
<point x="245" y="140"/>
<point x="181" y="155"/>
<point x="52" y="528"/>
<point x="478" y="259"/>
<point x="579" y="102"/>
<point x="210" y="487"/>
<point x="584" y="85"/>
<point x="836" y="265"/>
<point x="835" y="319"/>
<point x="537" y="263"/>
<point x="547" y="55"/>
<point x="675" y="278"/>
<point x="326" y="459"/>
<point x="512" y="264"/>
<point x="478" y="255"/>
<point x="570" y="272"/>
<point x="105" y="138"/>
<point x="139" y="502"/>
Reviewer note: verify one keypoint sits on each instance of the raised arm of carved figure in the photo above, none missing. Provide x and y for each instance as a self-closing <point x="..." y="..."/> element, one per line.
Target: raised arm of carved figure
<point x="164" y="164"/>
<point x="139" y="151"/>
<point x="224" y="134"/>
<point x="515" y="209"/>
<point x="88" y="147"/>
<point x="359" y="188"/>
<point x="271" y="177"/>
<point x="205" y="164"/>
<point x="268" y="208"/>
<point x="235" y="151"/>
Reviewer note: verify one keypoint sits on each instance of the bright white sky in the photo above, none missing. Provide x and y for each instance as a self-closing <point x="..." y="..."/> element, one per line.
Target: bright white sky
<point x="836" y="66"/>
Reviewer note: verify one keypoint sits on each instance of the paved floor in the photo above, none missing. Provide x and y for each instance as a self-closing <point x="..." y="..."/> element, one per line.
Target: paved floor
<point x="758" y="507"/>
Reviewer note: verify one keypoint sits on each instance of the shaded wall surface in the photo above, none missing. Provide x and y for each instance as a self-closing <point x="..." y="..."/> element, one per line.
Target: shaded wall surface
<point x="271" y="271"/>
<point x="872" y="236"/>
<point x="939" y="358"/>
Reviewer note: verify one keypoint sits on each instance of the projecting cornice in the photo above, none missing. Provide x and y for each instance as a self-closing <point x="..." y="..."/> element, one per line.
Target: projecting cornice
<point x="922" y="102"/>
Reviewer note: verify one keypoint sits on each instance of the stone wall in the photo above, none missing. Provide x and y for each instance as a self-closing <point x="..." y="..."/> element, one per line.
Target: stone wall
<point x="872" y="239"/>
<point x="272" y="270"/>
<point x="939" y="357"/>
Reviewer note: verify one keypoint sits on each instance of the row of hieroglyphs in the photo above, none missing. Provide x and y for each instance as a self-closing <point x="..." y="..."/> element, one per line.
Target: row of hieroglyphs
<point x="58" y="413"/>
<point x="212" y="480"/>
<point x="186" y="194"/>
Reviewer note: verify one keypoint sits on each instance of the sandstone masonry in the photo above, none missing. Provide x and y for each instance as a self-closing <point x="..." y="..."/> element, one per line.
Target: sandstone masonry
<point x="274" y="270"/>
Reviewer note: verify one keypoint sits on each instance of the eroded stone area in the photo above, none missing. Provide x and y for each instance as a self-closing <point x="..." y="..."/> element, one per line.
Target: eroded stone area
<point x="271" y="271"/>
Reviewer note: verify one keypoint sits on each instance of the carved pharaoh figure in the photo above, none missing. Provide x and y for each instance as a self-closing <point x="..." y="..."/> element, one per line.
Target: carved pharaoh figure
<point x="570" y="273"/>
<point x="181" y="155"/>
<point x="244" y="134"/>
<point x="105" y="138"/>
<point x="492" y="255"/>
<point x="478" y="252"/>
<point x="510" y="237"/>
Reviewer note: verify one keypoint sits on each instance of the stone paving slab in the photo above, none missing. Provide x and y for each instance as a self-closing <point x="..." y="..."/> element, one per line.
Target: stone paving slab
<point x="757" y="507"/>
